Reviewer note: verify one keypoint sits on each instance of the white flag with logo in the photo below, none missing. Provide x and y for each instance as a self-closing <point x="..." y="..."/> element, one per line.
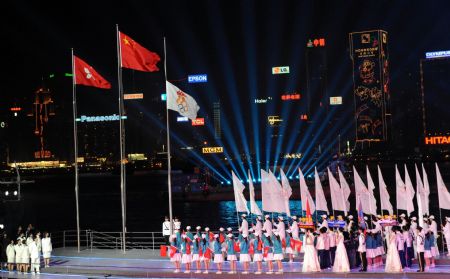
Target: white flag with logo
<point x="241" y="203"/>
<point x="420" y="196"/>
<point x="371" y="187"/>
<point x="287" y="191"/>
<point x="384" y="194"/>
<point x="426" y="187"/>
<point x="266" y="192"/>
<point x="278" y="198"/>
<point x="321" y="202"/>
<point x="409" y="193"/>
<point x="304" y="193"/>
<point x="400" y="191"/>
<point x="362" y="194"/>
<point x="443" y="194"/>
<point x="253" y="206"/>
<point x="337" y="198"/>
<point x="345" y="188"/>
<point x="181" y="102"/>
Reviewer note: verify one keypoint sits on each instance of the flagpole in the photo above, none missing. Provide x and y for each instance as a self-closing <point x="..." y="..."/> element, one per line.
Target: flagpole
<point x="75" y="148"/>
<point x="379" y="190"/>
<point x="122" y="139"/>
<point x="169" y="166"/>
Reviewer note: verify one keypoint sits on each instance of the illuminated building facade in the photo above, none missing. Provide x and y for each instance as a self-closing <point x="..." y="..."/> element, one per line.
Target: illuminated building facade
<point x="435" y="91"/>
<point x="371" y="85"/>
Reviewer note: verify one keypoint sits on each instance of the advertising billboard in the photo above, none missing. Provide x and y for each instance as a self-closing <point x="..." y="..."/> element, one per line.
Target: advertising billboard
<point x="370" y="59"/>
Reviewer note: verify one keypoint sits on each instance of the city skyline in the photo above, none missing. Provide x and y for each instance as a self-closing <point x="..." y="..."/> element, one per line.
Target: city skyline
<point x="237" y="53"/>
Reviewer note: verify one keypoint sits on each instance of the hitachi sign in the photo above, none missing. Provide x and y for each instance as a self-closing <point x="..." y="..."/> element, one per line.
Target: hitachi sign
<point x="437" y="140"/>
<point x="113" y="117"/>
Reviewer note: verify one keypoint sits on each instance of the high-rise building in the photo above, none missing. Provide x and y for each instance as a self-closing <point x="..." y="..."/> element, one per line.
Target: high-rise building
<point x="216" y="118"/>
<point x="316" y="76"/>
<point x="435" y="84"/>
<point x="370" y="57"/>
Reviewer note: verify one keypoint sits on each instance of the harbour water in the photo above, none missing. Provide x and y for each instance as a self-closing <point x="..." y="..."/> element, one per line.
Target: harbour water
<point x="49" y="203"/>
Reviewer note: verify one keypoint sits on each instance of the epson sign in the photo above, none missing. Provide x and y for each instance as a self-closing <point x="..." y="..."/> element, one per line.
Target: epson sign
<point x="197" y="78"/>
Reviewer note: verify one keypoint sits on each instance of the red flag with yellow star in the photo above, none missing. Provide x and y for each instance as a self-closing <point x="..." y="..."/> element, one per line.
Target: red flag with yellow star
<point x="86" y="75"/>
<point x="136" y="57"/>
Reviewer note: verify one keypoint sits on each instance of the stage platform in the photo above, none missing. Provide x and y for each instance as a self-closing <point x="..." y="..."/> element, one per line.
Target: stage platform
<point x="68" y="263"/>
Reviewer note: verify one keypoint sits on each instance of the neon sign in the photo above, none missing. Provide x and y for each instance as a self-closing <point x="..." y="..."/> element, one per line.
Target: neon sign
<point x="320" y="42"/>
<point x="274" y="119"/>
<point x="280" y="70"/>
<point x="182" y="119"/>
<point x="263" y="100"/>
<point x="437" y="140"/>
<point x="197" y="78"/>
<point x="198" y="122"/>
<point x="105" y="118"/>
<point x="291" y="97"/>
<point x="303" y="117"/>
<point x="292" y="156"/>
<point x="437" y="54"/>
<point x="15" y="109"/>
<point x="336" y="100"/>
<point x="207" y="150"/>
<point x="133" y="96"/>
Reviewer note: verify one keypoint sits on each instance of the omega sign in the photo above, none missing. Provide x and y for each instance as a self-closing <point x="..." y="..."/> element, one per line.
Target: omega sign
<point x="437" y="140"/>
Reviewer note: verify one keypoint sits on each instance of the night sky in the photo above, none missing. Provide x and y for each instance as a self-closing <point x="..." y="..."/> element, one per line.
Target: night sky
<point x="235" y="42"/>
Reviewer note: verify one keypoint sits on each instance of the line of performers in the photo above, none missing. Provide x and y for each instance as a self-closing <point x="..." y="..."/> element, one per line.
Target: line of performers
<point x="339" y="249"/>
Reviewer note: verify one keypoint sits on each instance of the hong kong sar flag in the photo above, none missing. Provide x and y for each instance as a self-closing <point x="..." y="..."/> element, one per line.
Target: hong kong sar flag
<point x="86" y="75"/>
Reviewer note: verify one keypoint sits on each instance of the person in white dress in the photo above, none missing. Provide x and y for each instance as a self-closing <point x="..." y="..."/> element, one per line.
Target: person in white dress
<point x="350" y="223"/>
<point x="310" y="259"/>
<point x="34" y="255"/>
<point x="25" y="256"/>
<point x="176" y="224"/>
<point x="446" y="233"/>
<point x="341" y="263"/>
<point x="412" y="229"/>
<point x="434" y="229"/>
<point x="244" y="224"/>
<point x="11" y="255"/>
<point x="393" y="263"/>
<point x="18" y="249"/>
<point x="267" y="227"/>
<point x="47" y="249"/>
<point x="294" y="228"/>
<point x="324" y="221"/>
<point x="258" y="227"/>
<point x="281" y="228"/>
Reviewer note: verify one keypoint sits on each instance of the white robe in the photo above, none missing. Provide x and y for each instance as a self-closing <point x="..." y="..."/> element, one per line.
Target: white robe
<point x="11" y="253"/>
<point x="341" y="263"/>
<point x="393" y="263"/>
<point x="310" y="258"/>
<point x="446" y="232"/>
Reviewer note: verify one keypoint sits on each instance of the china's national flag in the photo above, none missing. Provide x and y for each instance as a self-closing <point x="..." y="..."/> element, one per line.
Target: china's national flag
<point x="86" y="75"/>
<point x="136" y="57"/>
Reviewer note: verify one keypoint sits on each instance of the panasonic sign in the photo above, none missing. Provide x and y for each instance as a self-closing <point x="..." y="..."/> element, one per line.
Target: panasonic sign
<point x="105" y="118"/>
